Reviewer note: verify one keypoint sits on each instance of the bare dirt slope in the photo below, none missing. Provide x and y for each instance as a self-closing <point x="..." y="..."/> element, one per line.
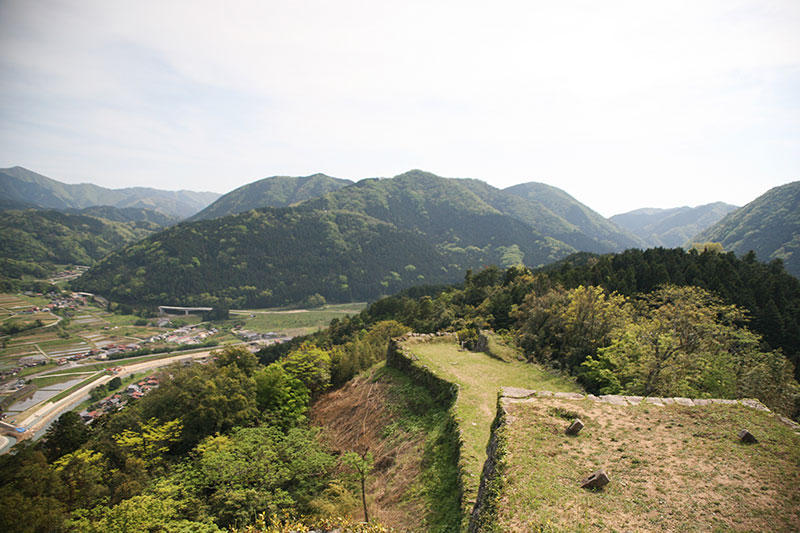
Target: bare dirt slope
<point x="363" y="415"/>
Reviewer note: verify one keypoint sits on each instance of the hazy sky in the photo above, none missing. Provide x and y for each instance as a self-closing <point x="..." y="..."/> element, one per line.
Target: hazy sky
<point x="621" y="104"/>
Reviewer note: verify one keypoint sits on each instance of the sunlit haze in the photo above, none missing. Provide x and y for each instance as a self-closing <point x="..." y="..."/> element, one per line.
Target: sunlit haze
<point x="622" y="104"/>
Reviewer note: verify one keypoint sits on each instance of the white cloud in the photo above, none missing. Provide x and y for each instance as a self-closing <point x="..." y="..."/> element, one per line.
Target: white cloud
<point x="622" y="104"/>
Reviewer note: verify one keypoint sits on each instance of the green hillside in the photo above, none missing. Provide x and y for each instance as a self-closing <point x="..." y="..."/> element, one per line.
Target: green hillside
<point x="22" y="186"/>
<point x="769" y="225"/>
<point x="573" y="222"/>
<point x="268" y="257"/>
<point x="671" y="228"/>
<point x="454" y="213"/>
<point x="277" y="191"/>
<point x="126" y="214"/>
<point x="33" y="239"/>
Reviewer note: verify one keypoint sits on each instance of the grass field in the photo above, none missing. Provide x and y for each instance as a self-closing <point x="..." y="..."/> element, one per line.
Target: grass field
<point x="480" y="378"/>
<point x="294" y="321"/>
<point x="672" y="468"/>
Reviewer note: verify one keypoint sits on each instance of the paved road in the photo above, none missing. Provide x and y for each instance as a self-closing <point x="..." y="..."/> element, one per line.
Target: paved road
<point x="48" y="411"/>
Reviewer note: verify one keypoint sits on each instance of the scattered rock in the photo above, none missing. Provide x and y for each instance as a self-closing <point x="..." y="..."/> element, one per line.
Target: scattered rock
<point x="684" y="401"/>
<point x="613" y="399"/>
<point x="575" y="427"/>
<point x="755" y="404"/>
<point x="596" y="480"/>
<point x="568" y="395"/>
<point x="747" y="437"/>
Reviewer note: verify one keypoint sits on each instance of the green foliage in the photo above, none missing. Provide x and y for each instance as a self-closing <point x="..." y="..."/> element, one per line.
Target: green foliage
<point x="31" y="493"/>
<point x="207" y="400"/>
<point x="144" y="512"/>
<point x="237" y="357"/>
<point x="282" y="399"/>
<point x="564" y="327"/>
<point x="255" y="470"/>
<point x="769" y="226"/>
<point x="311" y="366"/>
<point x="65" y="435"/>
<point x="367" y="348"/>
<point x="686" y="343"/>
<point x="150" y="441"/>
<point x="115" y="383"/>
<point x="266" y="258"/>
<point x="32" y="239"/>
<point x="277" y="191"/>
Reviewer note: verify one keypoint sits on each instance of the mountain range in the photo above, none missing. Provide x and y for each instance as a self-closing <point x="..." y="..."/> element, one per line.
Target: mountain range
<point x="334" y="244"/>
<point x="277" y="191"/>
<point x="337" y="244"/>
<point x="280" y="239"/>
<point x="671" y="228"/>
<point x="769" y="226"/>
<point x="22" y="188"/>
<point x="34" y="241"/>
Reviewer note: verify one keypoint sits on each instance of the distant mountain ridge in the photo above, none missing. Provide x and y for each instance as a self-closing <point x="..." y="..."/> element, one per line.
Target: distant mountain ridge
<point x="671" y="228"/>
<point x="606" y="234"/>
<point x="769" y="225"/>
<point x="361" y="240"/>
<point x="32" y="241"/>
<point x="20" y="188"/>
<point x="275" y="191"/>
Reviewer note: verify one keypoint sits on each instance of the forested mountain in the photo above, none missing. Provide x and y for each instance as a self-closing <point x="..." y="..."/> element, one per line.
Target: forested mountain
<point x="452" y="214"/>
<point x="427" y="203"/>
<point x="769" y="225"/>
<point x="33" y="240"/>
<point x="455" y="224"/>
<point x="265" y="257"/>
<point x="277" y="191"/>
<point x="20" y="187"/>
<point x="126" y="214"/>
<point x="671" y="228"/>
<point x="585" y="230"/>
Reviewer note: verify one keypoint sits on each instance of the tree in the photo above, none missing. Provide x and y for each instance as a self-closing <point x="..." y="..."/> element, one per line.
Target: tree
<point x="257" y="470"/>
<point x="207" y="399"/>
<point x="362" y="465"/>
<point x="688" y="343"/>
<point x="282" y="398"/>
<point x="151" y="441"/>
<point x="311" y="365"/>
<point x="65" y="436"/>
<point x="82" y="475"/>
<point x="238" y="357"/>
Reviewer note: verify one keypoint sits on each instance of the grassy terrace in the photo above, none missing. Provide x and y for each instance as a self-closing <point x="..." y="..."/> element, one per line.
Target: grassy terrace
<point x="672" y="468"/>
<point x="480" y="378"/>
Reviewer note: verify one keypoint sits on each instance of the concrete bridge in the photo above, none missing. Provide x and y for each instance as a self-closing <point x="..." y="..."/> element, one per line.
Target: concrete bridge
<point x="173" y="310"/>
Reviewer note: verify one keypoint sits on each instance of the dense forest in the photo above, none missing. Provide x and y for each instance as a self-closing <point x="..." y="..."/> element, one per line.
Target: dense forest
<point x="769" y="225"/>
<point x="268" y="257"/>
<point x="32" y="241"/>
<point x="277" y="191"/>
<point x="360" y="241"/>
